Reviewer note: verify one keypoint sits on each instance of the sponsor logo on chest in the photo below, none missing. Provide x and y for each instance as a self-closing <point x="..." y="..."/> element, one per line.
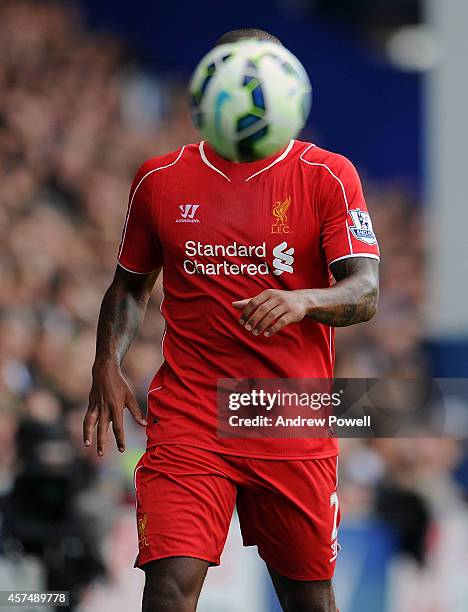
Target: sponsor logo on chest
<point x="283" y="259"/>
<point x="236" y="258"/>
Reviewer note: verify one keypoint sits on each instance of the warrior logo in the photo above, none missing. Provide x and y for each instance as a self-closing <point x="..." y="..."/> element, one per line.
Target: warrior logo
<point x="187" y="213"/>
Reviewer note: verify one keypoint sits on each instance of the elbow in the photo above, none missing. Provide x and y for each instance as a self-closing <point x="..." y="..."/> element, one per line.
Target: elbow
<point x="370" y="302"/>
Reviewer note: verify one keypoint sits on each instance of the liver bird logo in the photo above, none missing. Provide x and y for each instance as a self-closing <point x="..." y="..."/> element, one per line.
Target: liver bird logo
<point x="279" y="213"/>
<point x="143" y="540"/>
<point x="280" y="209"/>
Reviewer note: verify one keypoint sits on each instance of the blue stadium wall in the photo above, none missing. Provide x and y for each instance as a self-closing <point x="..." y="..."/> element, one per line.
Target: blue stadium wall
<point x="363" y="107"/>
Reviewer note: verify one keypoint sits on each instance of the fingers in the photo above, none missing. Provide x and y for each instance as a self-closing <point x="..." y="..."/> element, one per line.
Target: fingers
<point x="118" y="429"/>
<point x="89" y="424"/>
<point x="107" y="406"/>
<point x="284" y="320"/>
<point x="260" y="313"/>
<point x="269" y="318"/>
<point x="102" y="429"/>
<point x="118" y="421"/>
<point x="271" y="310"/>
<point x="258" y="303"/>
<point x="103" y="417"/>
<point x="241" y="304"/>
<point x="134" y="409"/>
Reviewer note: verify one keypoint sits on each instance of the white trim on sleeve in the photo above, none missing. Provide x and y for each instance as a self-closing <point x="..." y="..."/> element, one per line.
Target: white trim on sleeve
<point x="133" y="271"/>
<point x="369" y="255"/>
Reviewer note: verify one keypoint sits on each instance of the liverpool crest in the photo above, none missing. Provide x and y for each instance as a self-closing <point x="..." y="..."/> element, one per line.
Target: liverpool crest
<point x="279" y="212"/>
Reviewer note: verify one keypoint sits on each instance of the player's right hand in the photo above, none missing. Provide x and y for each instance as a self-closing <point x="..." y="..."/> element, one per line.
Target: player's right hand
<point x="109" y="396"/>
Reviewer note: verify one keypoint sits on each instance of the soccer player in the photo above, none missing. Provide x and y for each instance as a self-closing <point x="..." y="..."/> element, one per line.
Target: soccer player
<point x="247" y="252"/>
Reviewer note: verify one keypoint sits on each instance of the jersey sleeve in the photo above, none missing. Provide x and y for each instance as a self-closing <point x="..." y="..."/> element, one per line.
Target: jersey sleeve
<point x="140" y="250"/>
<point x="346" y="226"/>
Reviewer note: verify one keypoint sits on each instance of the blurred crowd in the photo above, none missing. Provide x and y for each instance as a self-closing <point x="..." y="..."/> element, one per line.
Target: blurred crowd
<point x="78" y="114"/>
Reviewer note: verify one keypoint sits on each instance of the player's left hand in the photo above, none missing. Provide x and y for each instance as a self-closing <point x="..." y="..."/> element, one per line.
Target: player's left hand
<point x="271" y="310"/>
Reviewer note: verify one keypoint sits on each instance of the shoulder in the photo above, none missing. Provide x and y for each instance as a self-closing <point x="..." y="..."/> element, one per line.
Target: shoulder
<point x="335" y="163"/>
<point x="168" y="162"/>
<point x="161" y="162"/>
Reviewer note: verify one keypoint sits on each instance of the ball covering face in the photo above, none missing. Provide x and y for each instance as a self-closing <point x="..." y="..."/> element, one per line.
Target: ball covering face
<point x="249" y="98"/>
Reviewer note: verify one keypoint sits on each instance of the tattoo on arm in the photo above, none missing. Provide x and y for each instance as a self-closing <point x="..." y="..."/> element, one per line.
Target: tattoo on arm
<point x="122" y="311"/>
<point x="353" y="298"/>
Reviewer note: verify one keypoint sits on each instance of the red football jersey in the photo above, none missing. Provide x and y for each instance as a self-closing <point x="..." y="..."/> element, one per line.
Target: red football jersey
<point x="225" y="231"/>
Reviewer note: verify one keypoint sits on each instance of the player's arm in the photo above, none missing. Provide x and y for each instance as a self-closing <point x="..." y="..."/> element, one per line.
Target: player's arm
<point x="352" y="299"/>
<point x="122" y="311"/>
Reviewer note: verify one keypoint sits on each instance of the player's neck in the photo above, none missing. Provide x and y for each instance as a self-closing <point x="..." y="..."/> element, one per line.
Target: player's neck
<point x="253" y="160"/>
<point x="242" y="170"/>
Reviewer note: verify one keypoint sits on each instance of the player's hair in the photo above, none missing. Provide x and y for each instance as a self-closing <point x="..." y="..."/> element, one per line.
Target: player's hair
<point x="246" y="33"/>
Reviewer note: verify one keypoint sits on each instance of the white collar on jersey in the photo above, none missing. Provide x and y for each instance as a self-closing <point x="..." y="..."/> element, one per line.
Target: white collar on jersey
<point x="275" y="161"/>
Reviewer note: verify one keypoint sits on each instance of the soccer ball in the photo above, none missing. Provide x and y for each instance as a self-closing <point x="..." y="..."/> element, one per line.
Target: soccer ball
<point x="249" y="98"/>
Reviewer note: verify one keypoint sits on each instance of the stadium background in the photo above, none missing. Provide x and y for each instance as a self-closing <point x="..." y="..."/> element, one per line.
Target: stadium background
<point x="87" y="92"/>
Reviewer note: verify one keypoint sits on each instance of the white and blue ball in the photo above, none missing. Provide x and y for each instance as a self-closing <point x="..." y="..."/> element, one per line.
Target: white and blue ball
<point x="249" y="98"/>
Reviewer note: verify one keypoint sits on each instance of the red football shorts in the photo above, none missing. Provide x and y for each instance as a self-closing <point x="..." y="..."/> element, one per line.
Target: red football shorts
<point x="288" y="509"/>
